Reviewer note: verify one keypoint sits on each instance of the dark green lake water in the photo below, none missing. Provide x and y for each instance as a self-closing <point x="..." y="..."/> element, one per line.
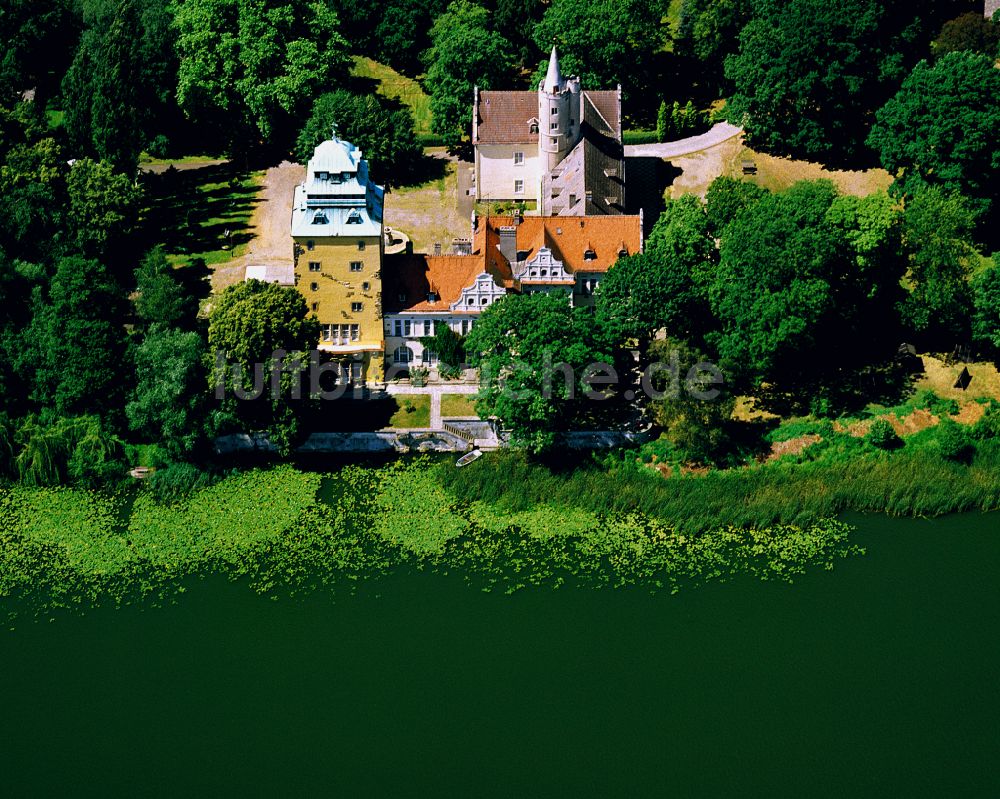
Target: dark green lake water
<point x="878" y="679"/>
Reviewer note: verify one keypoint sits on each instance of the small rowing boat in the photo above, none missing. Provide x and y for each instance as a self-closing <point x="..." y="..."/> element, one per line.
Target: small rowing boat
<point x="469" y="457"/>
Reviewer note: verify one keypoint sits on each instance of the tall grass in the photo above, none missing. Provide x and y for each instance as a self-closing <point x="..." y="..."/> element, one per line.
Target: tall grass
<point x="905" y="483"/>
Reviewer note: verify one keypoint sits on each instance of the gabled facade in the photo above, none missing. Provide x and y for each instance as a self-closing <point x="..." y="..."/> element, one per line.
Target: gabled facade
<point x="338" y="247"/>
<point x="559" y="148"/>
<point x="510" y="255"/>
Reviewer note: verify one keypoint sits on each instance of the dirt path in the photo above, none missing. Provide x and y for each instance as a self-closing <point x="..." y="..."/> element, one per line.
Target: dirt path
<point x="270" y="226"/>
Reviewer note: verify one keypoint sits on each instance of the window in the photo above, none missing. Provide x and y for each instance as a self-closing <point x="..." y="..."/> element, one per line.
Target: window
<point x="553" y="126"/>
<point x="361" y="246"/>
<point x="366" y="286"/>
<point x="572" y="200"/>
<point x="428" y="358"/>
<point x="326" y="332"/>
<point x="314" y="266"/>
<point x="315" y="307"/>
<point x="354" y="218"/>
<point x="555" y="111"/>
<point x="622" y="253"/>
<point x="357" y="266"/>
<point x="355" y="332"/>
<point x="322" y="176"/>
<point x="356" y="373"/>
<point x="518" y="187"/>
<point x="310" y="245"/>
<point x="357" y="307"/>
<point x="320" y="219"/>
<point x="518" y="159"/>
<point x="470" y="300"/>
<point x="314" y="286"/>
<point x="403" y="355"/>
<point x="534" y="127"/>
<point x="590" y="255"/>
<point x="402" y="328"/>
<point x="483" y="301"/>
<point x="401" y="296"/>
<point x="555" y="141"/>
<point x="465" y="327"/>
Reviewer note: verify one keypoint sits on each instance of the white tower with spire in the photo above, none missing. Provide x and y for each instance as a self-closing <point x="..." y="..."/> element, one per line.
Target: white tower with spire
<point x="558" y="114"/>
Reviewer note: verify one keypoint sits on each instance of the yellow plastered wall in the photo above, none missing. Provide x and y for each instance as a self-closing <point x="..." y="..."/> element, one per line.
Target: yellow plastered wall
<point x="338" y="287"/>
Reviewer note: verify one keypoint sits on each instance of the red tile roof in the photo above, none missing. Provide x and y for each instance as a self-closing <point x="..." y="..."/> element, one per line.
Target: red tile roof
<point x="569" y="238"/>
<point x="408" y="279"/>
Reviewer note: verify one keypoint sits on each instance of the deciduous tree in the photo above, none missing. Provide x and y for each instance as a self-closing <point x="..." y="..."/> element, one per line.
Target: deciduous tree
<point x="168" y="399"/>
<point x="941" y="128"/>
<point x="465" y="53"/>
<point x="521" y="344"/>
<point x="384" y="134"/>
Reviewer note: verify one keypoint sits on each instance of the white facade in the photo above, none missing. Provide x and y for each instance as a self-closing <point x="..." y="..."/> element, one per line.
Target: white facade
<point x="481" y="294"/>
<point x="403" y="332"/>
<point x="499" y="167"/>
<point x="517" y="171"/>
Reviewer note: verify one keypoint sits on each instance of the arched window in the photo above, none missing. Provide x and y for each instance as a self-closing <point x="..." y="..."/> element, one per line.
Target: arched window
<point x="402" y="355"/>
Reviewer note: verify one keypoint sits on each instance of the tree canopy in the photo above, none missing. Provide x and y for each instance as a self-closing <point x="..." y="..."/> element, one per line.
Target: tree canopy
<point x="605" y="42"/>
<point x="779" y="289"/>
<point x="78" y="321"/>
<point x="809" y="74"/>
<point x="252" y="66"/>
<point x="520" y="344"/>
<point x="941" y="128"/>
<point x="666" y="286"/>
<point x="383" y="133"/>
<point x="465" y="52"/>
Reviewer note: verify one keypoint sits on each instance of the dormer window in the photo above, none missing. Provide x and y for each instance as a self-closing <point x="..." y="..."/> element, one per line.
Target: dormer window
<point x="401" y="296"/>
<point x="589" y="255"/>
<point x="320" y="219"/>
<point x="623" y="253"/>
<point x="322" y="176"/>
<point x="533" y="127"/>
<point x="354" y="218"/>
<point x="432" y="296"/>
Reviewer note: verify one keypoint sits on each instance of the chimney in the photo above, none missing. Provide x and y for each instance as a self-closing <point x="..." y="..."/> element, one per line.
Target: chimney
<point x="508" y="243"/>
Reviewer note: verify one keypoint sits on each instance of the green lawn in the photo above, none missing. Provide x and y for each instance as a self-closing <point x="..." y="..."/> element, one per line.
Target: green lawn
<point x="145" y="159"/>
<point x="190" y="211"/>
<point x="397" y="87"/>
<point x="458" y="405"/>
<point x="414" y="411"/>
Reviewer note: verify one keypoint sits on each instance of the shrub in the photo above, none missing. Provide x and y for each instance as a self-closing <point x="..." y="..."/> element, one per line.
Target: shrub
<point x="177" y="482"/>
<point x="159" y="147"/>
<point x="928" y="400"/>
<point x="988" y="427"/>
<point x="954" y="442"/>
<point x="883" y="435"/>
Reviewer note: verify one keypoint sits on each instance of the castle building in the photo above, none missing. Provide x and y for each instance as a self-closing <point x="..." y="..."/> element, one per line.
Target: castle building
<point x="338" y="240"/>
<point x="510" y="255"/>
<point x="559" y="148"/>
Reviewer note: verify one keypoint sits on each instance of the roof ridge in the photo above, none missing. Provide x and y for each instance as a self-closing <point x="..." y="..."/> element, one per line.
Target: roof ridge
<point x="593" y="105"/>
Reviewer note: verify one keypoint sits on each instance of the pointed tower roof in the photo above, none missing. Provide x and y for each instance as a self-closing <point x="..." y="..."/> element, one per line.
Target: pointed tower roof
<point x="553" y="80"/>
